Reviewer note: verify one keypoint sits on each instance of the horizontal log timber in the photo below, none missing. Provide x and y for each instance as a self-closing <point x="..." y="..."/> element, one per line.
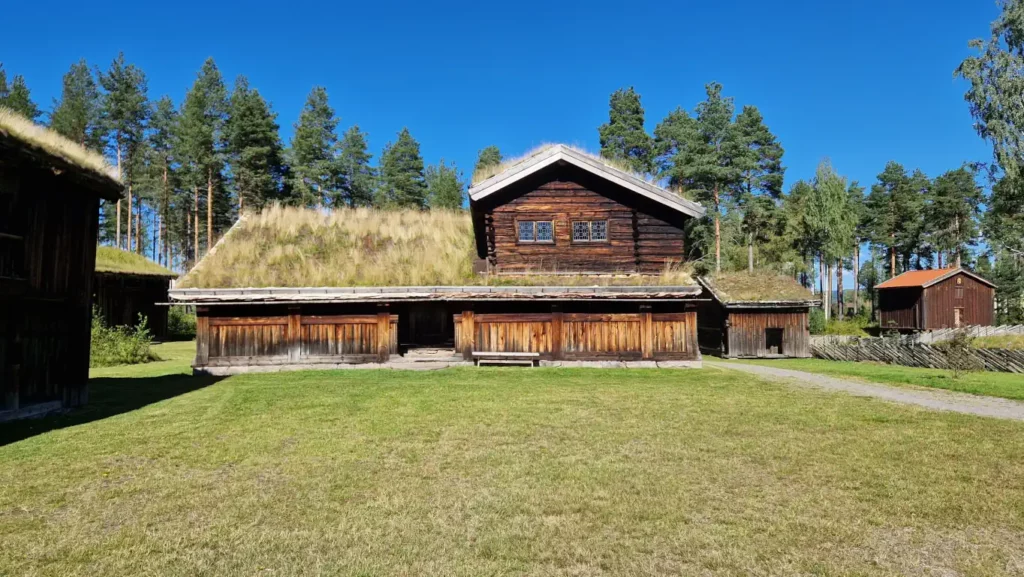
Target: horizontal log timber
<point x="343" y="319"/>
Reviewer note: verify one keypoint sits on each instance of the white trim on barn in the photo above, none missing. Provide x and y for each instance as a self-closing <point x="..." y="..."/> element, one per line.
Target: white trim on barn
<point x="561" y="153"/>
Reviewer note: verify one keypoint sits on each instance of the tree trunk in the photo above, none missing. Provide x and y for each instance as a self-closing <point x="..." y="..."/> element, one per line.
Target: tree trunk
<point x="117" y="233"/>
<point x="195" y="248"/>
<point x="892" y="256"/>
<point x="750" y="253"/>
<point x="162" y="232"/>
<point x="828" y="289"/>
<point x="840" y="297"/>
<point x="128" y="245"/>
<point x="138" y="228"/>
<point x="718" y="234"/>
<point x="856" y="279"/>
<point x="209" y="209"/>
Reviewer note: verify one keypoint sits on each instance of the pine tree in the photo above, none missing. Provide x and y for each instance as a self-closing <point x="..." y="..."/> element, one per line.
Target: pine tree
<point x="358" y="177"/>
<point x="487" y="157"/>
<point x="78" y="113"/>
<point x="759" y="160"/>
<point x="201" y="135"/>
<point x="253" y="147"/>
<point x="698" y="155"/>
<point x="858" y="216"/>
<point x="124" y="115"/>
<point x="895" y="209"/>
<point x="17" y="96"/>
<point x="402" y="183"/>
<point x="953" y="214"/>
<point x="317" y="173"/>
<point x="445" y="186"/>
<point x="163" y="125"/>
<point x="623" y="137"/>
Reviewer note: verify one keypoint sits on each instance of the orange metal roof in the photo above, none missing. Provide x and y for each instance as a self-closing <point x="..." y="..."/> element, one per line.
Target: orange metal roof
<point x="916" y="278"/>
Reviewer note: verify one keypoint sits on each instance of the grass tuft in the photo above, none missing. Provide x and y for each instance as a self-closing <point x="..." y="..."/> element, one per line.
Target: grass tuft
<point x="110" y="259"/>
<point x="36" y="136"/>
<point x="762" y="285"/>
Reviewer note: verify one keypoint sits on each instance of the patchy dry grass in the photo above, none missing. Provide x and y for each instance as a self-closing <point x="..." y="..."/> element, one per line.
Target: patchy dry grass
<point x="295" y="247"/>
<point x="36" y="136"/>
<point x="1005" y="385"/>
<point x="510" y="472"/>
<point x="1012" y="342"/>
<point x="110" y="259"/>
<point x="761" y="286"/>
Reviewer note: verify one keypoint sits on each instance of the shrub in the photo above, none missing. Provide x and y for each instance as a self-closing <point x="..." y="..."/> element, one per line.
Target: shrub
<point x="181" y="324"/>
<point x="119" y="345"/>
<point x="817" y="321"/>
<point x="854" y="326"/>
<point x="958" y="354"/>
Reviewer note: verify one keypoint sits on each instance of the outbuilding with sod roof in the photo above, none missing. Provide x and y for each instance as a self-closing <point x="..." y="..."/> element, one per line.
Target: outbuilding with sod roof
<point x="50" y="191"/>
<point x="127" y="285"/>
<point x="759" y="315"/>
<point x="296" y="287"/>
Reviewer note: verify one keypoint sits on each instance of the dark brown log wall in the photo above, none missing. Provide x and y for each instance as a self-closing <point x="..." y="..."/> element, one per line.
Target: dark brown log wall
<point x="48" y="232"/>
<point x="223" y="338"/>
<point x="121" y="298"/>
<point x="637" y="239"/>
<point x="975" y="300"/>
<point x="581" y="336"/>
<point x="746" y="333"/>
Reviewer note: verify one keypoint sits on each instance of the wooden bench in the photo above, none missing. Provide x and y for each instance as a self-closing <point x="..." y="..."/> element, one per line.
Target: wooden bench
<point x="511" y="359"/>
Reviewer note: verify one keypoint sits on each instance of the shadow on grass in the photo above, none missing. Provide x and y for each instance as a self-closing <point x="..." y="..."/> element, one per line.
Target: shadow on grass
<point x="108" y="397"/>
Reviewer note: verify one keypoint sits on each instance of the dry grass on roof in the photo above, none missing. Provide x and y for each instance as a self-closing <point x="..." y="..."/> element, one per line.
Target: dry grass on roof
<point x="114" y="260"/>
<point x="762" y="286"/>
<point x="294" y="247"/>
<point x="489" y="171"/>
<point x="36" y="136"/>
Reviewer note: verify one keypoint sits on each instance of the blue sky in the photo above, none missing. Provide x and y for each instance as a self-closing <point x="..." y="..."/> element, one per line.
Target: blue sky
<point x="859" y="82"/>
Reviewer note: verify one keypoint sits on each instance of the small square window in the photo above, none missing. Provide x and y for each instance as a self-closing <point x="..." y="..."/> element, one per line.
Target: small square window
<point x="958" y="292"/>
<point x="581" y="231"/>
<point x="545" y="231"/>
<point x="599" y="230"/>
<point x="526" y="231"/>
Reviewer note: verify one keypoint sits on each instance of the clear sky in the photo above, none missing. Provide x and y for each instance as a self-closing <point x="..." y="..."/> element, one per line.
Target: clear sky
<point x="860" y="82"/>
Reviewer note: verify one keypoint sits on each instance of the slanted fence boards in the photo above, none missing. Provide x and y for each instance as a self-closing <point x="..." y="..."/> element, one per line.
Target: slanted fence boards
<point x="275" y="339"/>
<point x="583" y="336"/>
<point x="897" y="352"/>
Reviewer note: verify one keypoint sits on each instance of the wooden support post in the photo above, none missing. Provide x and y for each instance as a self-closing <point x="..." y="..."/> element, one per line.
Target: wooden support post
<point x="383" y="333"/>
<point x="468" y="334"/>
<point x="294" y="334"/>
<point x="202" y="336"/>
<point x="646" y="332"/>
<point x="556" y="332"/>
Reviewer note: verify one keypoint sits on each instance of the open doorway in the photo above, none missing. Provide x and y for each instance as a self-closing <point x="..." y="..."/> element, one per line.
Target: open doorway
<point x="773" y="342"/>
<point x="426" y="325"/>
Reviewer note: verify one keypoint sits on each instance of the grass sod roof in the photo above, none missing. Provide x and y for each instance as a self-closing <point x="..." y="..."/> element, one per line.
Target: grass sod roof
<point x="66" y="153"/>
<point x="489" y="171"/>
<point x="759" y="288"/>
<point x="117" y="261"/>
<point x="300" y="248"/>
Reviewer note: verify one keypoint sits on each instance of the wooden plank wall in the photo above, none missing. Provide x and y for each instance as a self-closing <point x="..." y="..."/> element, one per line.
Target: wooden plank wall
<point x="581" y="336"/>
<point x="294" y="338"/>
<point x="50" y="231"/>
<point x="123" y="297"/>
<point x="977" y="302"/>
<point x="637" y="240"/>
<point x="745" y="333"/>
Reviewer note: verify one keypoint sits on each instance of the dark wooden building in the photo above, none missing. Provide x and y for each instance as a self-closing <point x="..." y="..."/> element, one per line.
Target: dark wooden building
<point x="50" y="190"/>
<point x="127" y="285"/>
<point x="754" y="316"/>
<point x="935" y="299"/>
<point x="574" y="251"/>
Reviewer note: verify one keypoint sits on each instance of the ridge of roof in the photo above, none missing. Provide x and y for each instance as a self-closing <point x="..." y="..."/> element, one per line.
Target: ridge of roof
<point x="928" y="277"/>
<point x="545" y="157"/>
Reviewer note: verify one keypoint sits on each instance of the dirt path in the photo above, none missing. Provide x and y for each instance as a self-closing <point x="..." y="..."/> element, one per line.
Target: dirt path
<point x="933" y="399"/>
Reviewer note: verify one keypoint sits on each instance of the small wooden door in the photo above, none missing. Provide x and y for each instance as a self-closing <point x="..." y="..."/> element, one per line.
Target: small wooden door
<point x="958" y="316"/>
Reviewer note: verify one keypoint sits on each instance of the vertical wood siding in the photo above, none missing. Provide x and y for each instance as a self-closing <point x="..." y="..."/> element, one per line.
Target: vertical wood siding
<point x="583" y="336"/>
<point x="977" y="303"/>
<point x="121" y="298"/>
<point x="900" y="308"/>
<point x="746" y="337"/>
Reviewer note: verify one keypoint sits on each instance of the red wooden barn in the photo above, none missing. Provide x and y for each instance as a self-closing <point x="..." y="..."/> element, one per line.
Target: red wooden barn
<point x="935" y="299"/>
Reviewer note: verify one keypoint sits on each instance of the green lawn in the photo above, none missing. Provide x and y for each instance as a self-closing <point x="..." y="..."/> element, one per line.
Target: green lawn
<point x="504" y="472"/>
<point x="1006" y="385"/>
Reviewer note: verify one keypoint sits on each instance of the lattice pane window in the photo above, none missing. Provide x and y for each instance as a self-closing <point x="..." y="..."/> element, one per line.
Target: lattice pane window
<point x="545" y="231"/>
<point x="599" y="230"/>
<point x="526" y="233"/>
<point x="580" y="231"/>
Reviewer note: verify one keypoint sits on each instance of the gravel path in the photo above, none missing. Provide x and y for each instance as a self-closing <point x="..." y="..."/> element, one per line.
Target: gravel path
<point x="933" y="399"/>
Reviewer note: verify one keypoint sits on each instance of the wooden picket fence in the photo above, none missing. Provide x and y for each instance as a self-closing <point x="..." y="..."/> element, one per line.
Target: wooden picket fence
<point x="907" y="353"/>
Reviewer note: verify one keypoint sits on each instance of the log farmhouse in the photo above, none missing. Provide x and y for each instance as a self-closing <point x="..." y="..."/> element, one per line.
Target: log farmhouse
<point x="50" y="190"/>
<point x="563" y="259"/>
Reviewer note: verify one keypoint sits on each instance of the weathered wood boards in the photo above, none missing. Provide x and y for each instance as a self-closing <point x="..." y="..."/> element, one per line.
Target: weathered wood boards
<point x="908" y="354"/>
<point x="580" y="336"/>
<point x="122" y="297"/>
